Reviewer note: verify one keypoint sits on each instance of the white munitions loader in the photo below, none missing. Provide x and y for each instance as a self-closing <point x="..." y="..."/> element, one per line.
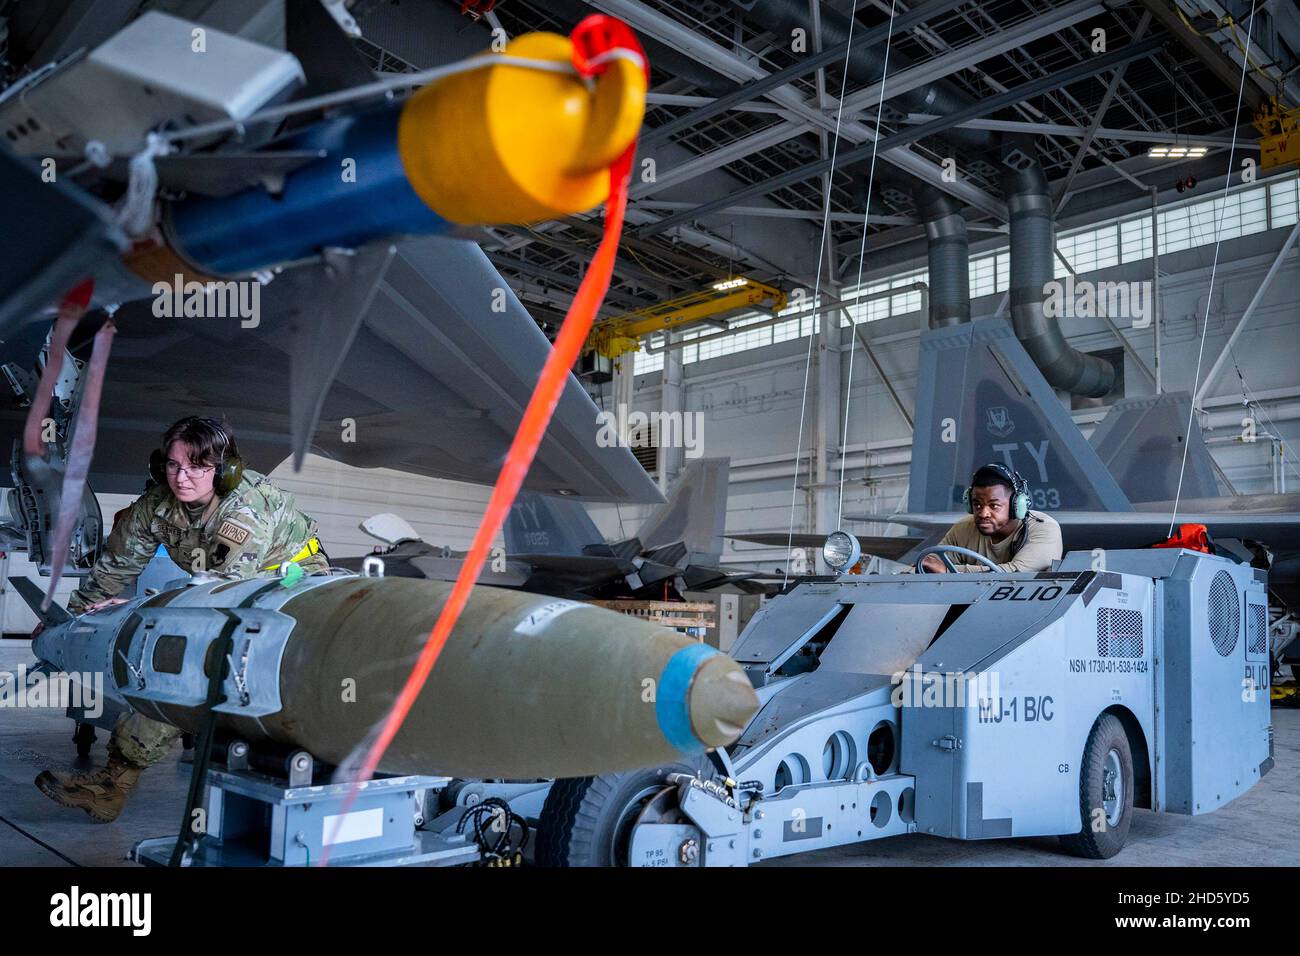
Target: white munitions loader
<point x="968" y="706"/>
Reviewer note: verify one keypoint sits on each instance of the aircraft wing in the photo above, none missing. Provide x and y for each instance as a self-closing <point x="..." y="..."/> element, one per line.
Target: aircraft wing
<point x="578" y="575"/>
<point x="435" y="383"/>
<point x="1236" y="505"/>
<point x="891" y="547"/>
<point x="577" y="565"/>
<point x="1080" y="530"/>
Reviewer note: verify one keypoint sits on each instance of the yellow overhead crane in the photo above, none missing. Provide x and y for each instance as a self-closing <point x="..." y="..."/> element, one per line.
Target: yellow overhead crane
<point x="621" y="334"/>
<point x="1279" y="125"/>
<point x="1280" y="143"/>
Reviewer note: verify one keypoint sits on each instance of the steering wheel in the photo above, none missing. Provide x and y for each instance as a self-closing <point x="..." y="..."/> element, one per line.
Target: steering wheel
<point x="943" y="550"/>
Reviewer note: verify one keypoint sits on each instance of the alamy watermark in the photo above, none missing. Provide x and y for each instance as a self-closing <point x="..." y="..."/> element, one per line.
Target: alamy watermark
<point x="235" y="298"/>
<point x="662" y="429"/>
<point x="58" y="689"/>
<point x="1083" y="299"/>
<point x="918" y="688"/>
<point x="74" y="908"/>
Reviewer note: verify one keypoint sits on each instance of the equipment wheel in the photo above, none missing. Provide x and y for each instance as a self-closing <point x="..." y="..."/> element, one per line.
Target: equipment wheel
<point x="588" y="821"/>
<point x="1105" y="792"/>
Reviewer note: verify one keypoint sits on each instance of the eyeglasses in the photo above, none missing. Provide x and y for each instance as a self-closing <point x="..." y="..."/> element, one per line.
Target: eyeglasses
<point x="173" y="468"/>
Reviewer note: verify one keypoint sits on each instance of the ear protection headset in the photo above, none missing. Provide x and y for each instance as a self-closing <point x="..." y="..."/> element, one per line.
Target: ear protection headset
<point x="227" y="473"/>
<point x="1019" y="489"/>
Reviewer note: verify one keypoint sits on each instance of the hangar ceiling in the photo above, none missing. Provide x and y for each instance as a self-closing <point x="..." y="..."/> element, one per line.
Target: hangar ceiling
<point x="740" y="161"/>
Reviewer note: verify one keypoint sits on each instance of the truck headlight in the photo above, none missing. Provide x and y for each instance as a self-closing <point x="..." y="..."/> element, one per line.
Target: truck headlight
<point x="841" y="551"/>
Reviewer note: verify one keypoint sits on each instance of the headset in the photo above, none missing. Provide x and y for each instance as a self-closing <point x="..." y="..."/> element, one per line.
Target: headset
<point x="1019" y="489"/>
<point x="227" y="473"/>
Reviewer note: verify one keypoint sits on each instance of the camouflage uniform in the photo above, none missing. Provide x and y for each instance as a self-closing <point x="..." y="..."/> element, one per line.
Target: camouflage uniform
<point x="239" y="536"/>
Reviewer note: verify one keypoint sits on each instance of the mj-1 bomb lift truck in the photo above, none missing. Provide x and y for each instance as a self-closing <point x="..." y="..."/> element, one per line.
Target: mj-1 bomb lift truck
<point x="969" y="706"/>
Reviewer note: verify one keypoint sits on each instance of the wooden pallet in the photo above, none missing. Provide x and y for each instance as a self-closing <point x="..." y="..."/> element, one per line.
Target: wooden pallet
<point x="691" y="617"/>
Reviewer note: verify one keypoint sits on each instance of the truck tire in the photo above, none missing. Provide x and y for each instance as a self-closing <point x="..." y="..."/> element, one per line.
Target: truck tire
<point x="587" y="821"/>
<point x="1106" y="782"/>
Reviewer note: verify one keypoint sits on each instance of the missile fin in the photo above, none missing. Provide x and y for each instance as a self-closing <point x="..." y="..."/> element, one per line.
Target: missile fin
<point x="34" y="596"/>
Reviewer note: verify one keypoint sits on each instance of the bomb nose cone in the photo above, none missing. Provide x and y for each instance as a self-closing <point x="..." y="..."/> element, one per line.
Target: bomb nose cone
<point x="722" y="701"/>
<point x="704" y="699"/>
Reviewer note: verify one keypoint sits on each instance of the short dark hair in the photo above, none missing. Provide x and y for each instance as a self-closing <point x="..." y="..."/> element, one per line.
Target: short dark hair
<point x="210" y="441"/>
<point x="987" y="477"/>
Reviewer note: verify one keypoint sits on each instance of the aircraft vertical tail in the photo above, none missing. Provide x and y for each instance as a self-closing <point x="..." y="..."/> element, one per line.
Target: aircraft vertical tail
<point x="980" y="398"/>
<point x="1141" y="443"/>
<point x="695" y="513"/>
<point x="546" y="524"/>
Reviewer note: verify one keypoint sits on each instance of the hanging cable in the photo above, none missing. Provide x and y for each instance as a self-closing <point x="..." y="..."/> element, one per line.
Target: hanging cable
<point x="1231" y="25"/>
<point x="1209" y="296"/>
<point x="862" y="255"/>
<point x="817" y="286"/>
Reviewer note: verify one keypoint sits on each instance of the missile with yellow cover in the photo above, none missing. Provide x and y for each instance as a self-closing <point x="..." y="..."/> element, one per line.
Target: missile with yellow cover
<point x="500" y="143"/>
<point x="527" y="687"/>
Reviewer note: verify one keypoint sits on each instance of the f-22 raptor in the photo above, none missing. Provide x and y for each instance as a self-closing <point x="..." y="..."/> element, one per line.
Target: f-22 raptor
<point x="553" y="547"/>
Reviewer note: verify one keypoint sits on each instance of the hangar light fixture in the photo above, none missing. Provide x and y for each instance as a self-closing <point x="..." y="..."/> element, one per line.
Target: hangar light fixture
<point x="1177" y="152"/>
<point x="728" y="284"/>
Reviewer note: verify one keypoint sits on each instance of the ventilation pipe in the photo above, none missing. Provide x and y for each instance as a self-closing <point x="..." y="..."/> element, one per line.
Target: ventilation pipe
<point x="1028" y="199"/>
<point x="949" y="254"/>
<point x="1033" y="244"/>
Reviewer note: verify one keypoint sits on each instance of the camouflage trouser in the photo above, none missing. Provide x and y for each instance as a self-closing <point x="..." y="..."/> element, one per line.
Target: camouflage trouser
<point x="315" y="564"/>
<point x="141" y="741"/>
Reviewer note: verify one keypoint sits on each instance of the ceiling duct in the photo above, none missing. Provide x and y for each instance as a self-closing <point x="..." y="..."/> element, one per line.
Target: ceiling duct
<point x="1029" y="203"/>
<point x="949" y="255"/>
<point x="1033" y="245"/>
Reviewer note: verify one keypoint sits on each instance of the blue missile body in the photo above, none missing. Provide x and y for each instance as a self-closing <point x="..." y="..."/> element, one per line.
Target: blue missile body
<point x="357" y="193"/>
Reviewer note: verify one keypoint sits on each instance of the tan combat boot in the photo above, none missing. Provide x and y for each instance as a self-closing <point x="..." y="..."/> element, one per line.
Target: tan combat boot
<point x="101" y="793"/>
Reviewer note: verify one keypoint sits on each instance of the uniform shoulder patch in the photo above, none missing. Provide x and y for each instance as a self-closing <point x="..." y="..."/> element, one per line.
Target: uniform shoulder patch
<point x="233" y="532"/>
